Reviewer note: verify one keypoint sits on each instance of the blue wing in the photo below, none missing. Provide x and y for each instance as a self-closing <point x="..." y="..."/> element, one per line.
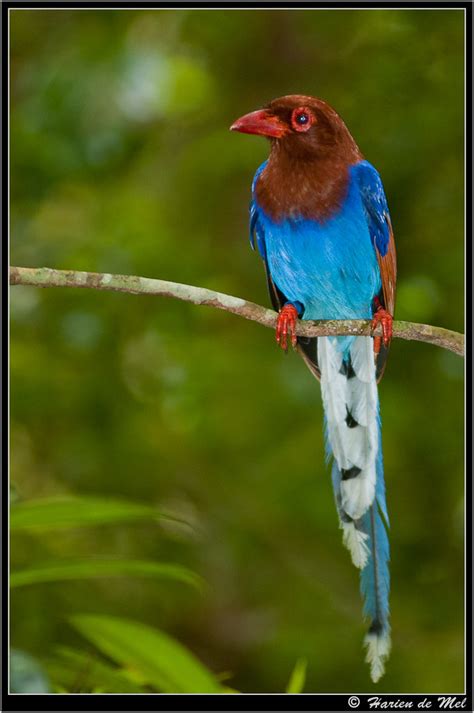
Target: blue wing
<point x="256" y="231"/>
<point x="381" y="234"/>
<point x="257" y="235"/>
<point x="375" y="205"/>
<point x="306" y="346"/>
<point x="380" y="228"/>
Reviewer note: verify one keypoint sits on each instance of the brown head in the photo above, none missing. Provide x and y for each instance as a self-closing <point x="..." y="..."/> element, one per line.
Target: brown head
<point x="312" y="150"/>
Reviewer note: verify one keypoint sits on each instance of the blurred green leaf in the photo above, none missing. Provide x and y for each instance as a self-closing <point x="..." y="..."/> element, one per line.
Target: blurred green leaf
<point x="77" y="671"/>
<point x="26" y="674"/>
<point x="59" y="513"/>
<point x="298" y="677"/>
<point x="163" y="662"/>
<point x="103" y="568"/>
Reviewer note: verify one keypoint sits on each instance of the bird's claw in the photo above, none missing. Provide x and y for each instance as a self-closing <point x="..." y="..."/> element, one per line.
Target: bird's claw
<point x="384" y="318"/>
<point x="286" y="325"/>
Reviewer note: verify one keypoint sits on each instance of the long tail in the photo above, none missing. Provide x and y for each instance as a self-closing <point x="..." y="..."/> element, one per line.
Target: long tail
<point x="353" y="438"/>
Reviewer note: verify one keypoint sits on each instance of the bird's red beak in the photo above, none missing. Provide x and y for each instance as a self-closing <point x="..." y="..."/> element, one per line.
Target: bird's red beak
<point x="260" y="122"/>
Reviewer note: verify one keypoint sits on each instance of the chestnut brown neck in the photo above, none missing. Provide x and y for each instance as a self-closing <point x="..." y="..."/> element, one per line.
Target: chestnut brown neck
<point x="305" y="184"/>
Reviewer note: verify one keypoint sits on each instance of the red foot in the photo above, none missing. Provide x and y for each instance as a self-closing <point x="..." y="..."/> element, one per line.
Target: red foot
<point x="286" y="324"/>
<point x="384" y="318"/>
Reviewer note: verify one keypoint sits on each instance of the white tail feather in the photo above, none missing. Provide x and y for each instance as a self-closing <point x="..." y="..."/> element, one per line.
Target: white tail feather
<point x="378" y="649"/>
<point x="356" y="543"/>
<point x="358" y="444"/>
<point x="357" y="396"/>
<point x="357" y="494"/>
<point x="364" y="402"/>
<point x="362" y="358"/>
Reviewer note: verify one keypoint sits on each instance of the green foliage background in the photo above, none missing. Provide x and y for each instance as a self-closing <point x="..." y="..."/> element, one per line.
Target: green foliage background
<point x="121" y="161"/>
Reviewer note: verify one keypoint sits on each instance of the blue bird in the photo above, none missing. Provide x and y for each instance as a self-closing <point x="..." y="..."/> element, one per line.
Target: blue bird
<point x="320" y="221"/>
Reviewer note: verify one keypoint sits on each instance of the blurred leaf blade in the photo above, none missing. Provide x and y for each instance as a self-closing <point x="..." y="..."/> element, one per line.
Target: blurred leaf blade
<point x="162" y="661"/>
<point x="77" y="671"/>
<point x="80" y="569"/>
<point x="61" y="513"/>
<point x="298" y="677"/>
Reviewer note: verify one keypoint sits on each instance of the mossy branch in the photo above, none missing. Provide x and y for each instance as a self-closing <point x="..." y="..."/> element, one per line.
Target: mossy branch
<point x="46" y="277"/>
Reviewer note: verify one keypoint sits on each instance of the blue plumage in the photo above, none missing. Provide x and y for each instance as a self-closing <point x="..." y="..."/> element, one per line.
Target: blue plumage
<point x="320" y="221"/>
<point x="375" y="205"/>
<point x="330" y="267"/>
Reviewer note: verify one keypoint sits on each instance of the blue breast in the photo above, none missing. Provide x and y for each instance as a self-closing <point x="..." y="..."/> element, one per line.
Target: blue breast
<point x="330" y="267"/>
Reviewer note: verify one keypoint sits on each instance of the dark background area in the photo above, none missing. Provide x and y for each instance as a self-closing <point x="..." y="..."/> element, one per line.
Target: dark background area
<point x="121" y="161"/>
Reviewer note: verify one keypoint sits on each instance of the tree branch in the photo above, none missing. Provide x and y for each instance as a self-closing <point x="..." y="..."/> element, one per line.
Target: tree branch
<point x="46" y="277"/>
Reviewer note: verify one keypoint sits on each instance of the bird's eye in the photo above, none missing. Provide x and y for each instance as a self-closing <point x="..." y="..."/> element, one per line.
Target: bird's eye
<point x="302" y="119"/>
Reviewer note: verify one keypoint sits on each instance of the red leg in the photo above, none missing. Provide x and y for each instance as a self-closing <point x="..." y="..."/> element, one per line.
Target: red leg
<point x="286" y="324"/>
<point x="381" y="316"/>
